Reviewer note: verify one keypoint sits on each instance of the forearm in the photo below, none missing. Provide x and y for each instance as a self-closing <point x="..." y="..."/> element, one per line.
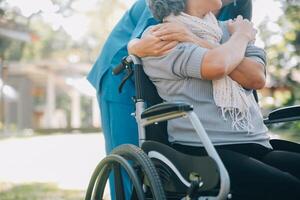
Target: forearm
<point x="150" y="45"/>
<point x="222" y="60"/>
<point x="250" y="74"/>
<point x="232" y="52"/>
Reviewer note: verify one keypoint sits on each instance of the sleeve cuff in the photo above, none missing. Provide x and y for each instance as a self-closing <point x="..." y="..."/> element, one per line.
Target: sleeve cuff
<point x="194" y="63"/>
<point x="253" y="51"/>
<point x="257" y="59"/>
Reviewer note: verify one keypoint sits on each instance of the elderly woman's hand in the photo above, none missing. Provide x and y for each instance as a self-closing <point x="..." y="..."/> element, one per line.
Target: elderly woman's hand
<point x="243" y="27"/>
<point x="150" y="45"/>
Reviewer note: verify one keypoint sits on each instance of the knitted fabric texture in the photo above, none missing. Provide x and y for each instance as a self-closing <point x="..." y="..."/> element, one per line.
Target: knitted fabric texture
<point x="228" y="95"/>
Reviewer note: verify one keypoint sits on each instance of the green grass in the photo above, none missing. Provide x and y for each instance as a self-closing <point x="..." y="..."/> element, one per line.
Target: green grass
<point x="293" y="136"/>
<point x="38" y="191"/>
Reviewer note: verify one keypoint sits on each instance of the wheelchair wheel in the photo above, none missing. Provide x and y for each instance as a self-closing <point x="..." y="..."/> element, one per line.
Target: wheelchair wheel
<point x="101" y="174"/>
<point x="145" y="168"/>
<point x="139" y="168"/>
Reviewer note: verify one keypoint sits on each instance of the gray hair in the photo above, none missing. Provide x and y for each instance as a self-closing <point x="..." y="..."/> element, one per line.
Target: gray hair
<point x="163" y="8"/>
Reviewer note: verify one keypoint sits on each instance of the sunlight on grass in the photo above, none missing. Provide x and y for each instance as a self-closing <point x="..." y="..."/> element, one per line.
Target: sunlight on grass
<point x="51" y="167"/>
<point x="37" y="191"/>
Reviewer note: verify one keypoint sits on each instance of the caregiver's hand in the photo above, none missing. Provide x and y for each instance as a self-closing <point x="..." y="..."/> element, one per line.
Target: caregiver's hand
<point x="172" y="31"/>
<point x="150" y="45"/>
<point x="243" y="27"/>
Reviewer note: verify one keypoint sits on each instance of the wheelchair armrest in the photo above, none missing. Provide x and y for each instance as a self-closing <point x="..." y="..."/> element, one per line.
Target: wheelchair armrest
<point x="286" y="114"/>
<point x="165" y="109"/>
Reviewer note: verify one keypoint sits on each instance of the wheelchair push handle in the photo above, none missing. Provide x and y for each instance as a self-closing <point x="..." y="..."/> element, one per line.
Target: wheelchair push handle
<point x="118" y="69"/>
<point x="126" y="64"/>
<point x="121" y="67"/>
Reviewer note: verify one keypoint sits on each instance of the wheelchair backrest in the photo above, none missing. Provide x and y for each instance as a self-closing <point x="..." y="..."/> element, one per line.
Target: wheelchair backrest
<point x="147" y="92"/>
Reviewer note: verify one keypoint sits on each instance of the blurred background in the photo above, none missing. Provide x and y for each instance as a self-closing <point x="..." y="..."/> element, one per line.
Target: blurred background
<point x="50" y="131"/>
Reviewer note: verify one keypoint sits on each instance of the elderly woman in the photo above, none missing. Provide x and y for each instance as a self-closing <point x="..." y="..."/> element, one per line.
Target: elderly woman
<point x="215" y="70"/>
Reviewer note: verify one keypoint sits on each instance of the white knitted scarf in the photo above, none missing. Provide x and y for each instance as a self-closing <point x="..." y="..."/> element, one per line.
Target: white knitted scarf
<point x="228" y="95"/>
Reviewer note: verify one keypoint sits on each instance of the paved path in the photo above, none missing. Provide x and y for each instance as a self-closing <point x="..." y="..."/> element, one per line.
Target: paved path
<point x="67" y="160"/>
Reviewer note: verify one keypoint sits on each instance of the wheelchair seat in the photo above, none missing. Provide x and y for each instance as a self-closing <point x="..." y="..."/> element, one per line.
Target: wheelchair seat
<point x="190" y="167"/>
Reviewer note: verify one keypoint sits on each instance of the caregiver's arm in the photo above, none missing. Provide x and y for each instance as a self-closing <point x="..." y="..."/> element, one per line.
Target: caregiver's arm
<point x="150" y="45"/>
<point x="162" y="38"/>
<point x="172" y="31"/>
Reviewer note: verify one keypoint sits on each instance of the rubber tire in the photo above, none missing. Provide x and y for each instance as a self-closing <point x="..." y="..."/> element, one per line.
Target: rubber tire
<point x="100" y="176"/>
<point x="137" y="155"/>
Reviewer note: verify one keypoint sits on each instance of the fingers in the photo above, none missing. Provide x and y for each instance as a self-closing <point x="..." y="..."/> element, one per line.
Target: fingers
<point x="246" y="20"/>
<point x="164" y="29"/>
<point x="155" y="28"/>
<point x="230" y="22"/>
<point x="239" y="18"/>
<point x="151" y="39"/>
<point x="161" y="44"/>
<point x="168" y="28"/>
<point x="169" y="46"/>
<point x="170" y="37"/>
<point x="160" y="32"/>
<point x="166" y="48"/>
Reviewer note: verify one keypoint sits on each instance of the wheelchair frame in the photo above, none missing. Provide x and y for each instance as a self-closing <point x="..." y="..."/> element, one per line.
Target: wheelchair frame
<point x="167" y="111"/>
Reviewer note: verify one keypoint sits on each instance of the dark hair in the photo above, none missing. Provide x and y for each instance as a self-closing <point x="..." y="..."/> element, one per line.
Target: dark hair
<point x="163" y="8"/>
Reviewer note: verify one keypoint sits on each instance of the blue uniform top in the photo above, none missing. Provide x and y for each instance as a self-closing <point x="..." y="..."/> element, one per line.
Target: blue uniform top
<point x="132" y="25"/>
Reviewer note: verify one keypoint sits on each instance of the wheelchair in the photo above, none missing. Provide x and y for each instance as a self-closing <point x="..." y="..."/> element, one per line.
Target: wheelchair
<point x="156" y="170"/>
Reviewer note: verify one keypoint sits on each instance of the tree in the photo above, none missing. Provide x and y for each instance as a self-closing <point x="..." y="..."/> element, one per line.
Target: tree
<point x="57" y="43"/>
<point x="284" y="55"/>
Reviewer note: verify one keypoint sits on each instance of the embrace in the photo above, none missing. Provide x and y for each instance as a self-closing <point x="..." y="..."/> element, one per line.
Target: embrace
<point x="200" y="52"/>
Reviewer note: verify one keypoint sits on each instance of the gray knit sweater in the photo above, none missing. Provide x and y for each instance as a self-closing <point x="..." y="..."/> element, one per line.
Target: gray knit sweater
<point x="177" y="78"/>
